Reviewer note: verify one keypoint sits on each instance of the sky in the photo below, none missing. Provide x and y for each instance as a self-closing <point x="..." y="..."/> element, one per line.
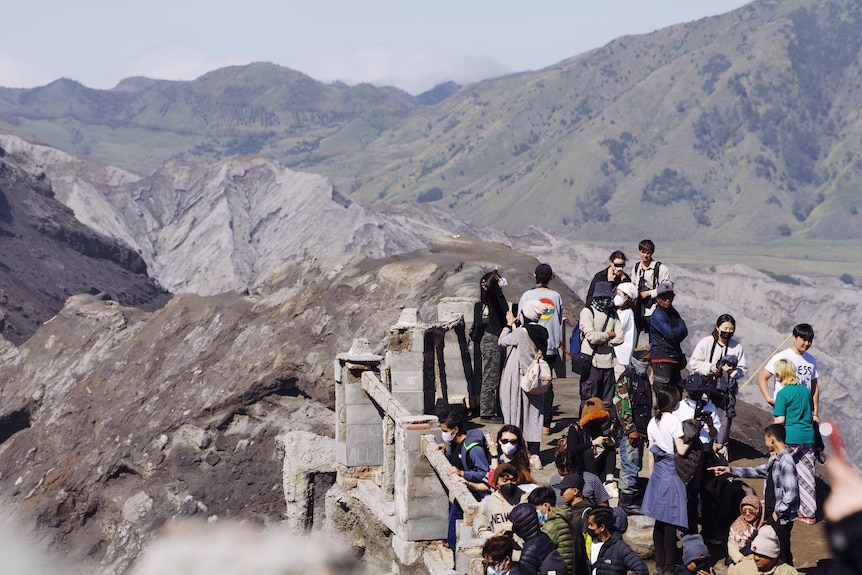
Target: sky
<point x="405" y="43"/>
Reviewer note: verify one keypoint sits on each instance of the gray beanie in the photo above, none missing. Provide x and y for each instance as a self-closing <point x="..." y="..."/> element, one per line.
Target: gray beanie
<point x="693" y="549"/>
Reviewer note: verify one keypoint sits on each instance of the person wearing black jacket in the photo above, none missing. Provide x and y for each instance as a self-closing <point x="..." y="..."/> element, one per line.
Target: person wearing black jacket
<point x="491" y="316"/>
<point x="538" y="554"/>
<point x="609" y="554"/>
<point x="615" y="273"/>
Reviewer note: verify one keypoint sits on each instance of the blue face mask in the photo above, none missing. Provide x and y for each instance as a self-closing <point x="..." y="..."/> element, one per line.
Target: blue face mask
<point x="542" y="516"/>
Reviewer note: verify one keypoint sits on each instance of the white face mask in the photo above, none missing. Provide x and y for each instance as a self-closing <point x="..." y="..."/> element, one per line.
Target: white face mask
<point x="448" y="436"/>
<point x="509" y="448"/>
<point x="495" y="570"/>
<point x="619" y="300"/>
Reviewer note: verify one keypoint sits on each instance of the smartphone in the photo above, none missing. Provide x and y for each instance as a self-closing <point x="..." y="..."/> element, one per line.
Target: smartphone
<point x="829" y="430"/>
<point x="515" y="309"/>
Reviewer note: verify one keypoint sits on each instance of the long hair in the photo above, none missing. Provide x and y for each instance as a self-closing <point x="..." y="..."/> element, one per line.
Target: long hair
<point x="521" y="457"/>
<point x="666" y="399"/>
<point x="489" y="284"/>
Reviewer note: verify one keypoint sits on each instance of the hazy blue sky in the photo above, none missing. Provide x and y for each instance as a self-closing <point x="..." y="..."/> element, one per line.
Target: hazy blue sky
<point x="410" y="44"/>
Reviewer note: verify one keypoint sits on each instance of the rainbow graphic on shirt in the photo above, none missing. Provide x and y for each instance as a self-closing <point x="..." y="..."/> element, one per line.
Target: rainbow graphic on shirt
<point x="549" y="312"/>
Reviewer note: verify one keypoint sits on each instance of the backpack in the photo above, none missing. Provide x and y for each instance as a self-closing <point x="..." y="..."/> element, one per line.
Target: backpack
<point x="640" y="396"/>
<point x="536" y="379"/>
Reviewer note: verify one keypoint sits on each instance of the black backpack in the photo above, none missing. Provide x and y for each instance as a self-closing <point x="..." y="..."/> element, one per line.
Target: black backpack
<point x="640" y="395"/>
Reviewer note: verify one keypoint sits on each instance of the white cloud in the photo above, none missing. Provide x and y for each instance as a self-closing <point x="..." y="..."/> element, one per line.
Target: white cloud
<point x="176" y="62"/>
<point x="20" y="72"/>
<point x="415" y="71"/>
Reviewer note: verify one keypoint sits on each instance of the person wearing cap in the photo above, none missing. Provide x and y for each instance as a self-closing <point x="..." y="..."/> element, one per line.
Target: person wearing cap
<point x="601" y="330"/>
<point x="518" y="407"/>
<point x="647" y="274"/>
<point x="633" y="405"/>
<point x="666" y="334"/>
<point x="765" y="549"/>
<point x="615" y="273"/>
<point x="571" y="488"/>
<point x="552" y="320"/>
<point x="625" y="296"/>
<point x="722" y="356"/>
<point x="695" y="557"/>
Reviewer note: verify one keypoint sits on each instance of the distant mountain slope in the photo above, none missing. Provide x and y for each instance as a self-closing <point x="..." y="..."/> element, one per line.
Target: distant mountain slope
<point x="46" y="255"/>
<point x="142" y="123"/>
<point x="735" y="129"/>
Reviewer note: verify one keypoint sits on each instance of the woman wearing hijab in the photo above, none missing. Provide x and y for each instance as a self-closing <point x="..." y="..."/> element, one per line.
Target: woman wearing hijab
<point x="519" y="408"/>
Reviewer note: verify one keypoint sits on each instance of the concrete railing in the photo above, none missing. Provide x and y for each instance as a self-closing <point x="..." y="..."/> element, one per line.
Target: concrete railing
<point x="385" y="420"/>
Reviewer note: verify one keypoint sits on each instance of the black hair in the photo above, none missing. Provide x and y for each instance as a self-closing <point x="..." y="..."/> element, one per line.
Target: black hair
<point x="492" y="282"/>
<point x="541" y="495"/>
<point x="453" y="419"/>
<point x="603" y="516"/>
<point x="544" y="278"/>
<point x="666" y="399"/>
<point x="645" y="245"/>
<point x="566" y="462"/>
<point x="617" y="255"/>
<point x="777" y="431"/>
<point x="499" y="547"/>
<point x="805" y="331"/>
<point x="725" y="317"/>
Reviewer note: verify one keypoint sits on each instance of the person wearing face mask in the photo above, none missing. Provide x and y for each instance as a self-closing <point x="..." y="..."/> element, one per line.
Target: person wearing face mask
<point x="666" y="333"/>
<point x="633" y="405"/>
<point x="556" y="522"/>
<point x="625" y="295"/>
<point x="490" y="313"/>
<point x="609" y="554"/>
<point x="497" y="555"/>
<point x="615" y="273"/>
<point x="601" y="330"/>
<point x="465" y="450"/>
<point x="492" y="517"/>
<point x="510" y="447"/>
<point x="721" y="355"/>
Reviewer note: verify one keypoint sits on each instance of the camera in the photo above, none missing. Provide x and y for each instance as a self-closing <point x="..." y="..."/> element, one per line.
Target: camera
<point x="728" y="360"/>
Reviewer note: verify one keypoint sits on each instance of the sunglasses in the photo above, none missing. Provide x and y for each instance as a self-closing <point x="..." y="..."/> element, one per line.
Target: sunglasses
<point x="512" y="441"/>
<point x="620" y="266"/>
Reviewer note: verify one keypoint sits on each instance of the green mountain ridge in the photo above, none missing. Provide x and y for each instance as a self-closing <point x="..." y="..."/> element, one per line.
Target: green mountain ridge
<point x="736" y="129"/>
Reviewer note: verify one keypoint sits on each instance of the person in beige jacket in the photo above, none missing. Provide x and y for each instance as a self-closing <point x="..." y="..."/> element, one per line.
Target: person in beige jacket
<point x="601" y="330"/>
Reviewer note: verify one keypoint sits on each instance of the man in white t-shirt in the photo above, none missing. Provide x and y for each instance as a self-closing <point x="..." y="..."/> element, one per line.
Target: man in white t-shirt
<point x="806" y="371"/>
<point x="806" y="367"/>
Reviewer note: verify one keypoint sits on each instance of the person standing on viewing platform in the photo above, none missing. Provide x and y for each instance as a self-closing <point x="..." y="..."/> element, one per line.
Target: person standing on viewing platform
<point x="647" y="275"/>
<point x="720" y="355"/>
<point x="615" y="273"/>
<point x="666" y="333"/>
<point x="806" y="372"/>
<point x="518" y="407"/>
<point x="491" y="311"/>
<point x="552" y="320"/>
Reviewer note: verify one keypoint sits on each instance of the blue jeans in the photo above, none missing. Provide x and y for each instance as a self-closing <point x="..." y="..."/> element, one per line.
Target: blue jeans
<point x="631" y="459"/>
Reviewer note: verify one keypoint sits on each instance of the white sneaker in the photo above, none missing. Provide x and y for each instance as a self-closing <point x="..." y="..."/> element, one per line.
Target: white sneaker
<point x="535" y="462"/>
<point x="611" y="488"/>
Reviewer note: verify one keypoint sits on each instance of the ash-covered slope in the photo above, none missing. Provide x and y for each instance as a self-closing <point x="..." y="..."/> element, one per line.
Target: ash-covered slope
<point x="114" y="421"/>
<point x="210" y="228"/>
<point x="47" y="255"/>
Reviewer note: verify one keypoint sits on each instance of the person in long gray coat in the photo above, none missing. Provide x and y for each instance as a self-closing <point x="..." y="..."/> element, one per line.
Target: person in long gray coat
<point x="518" y="408"/>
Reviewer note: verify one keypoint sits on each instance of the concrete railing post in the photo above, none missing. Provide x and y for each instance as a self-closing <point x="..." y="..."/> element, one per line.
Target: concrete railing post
<point x="358" y="432"/>
<point x="457" y="351"/>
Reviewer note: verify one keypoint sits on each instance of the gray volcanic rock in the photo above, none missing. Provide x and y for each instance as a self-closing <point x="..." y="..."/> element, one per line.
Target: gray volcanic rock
<point x="48" y="255"/>
<point x="207" y="229"/>
<point x="115" y="421"/>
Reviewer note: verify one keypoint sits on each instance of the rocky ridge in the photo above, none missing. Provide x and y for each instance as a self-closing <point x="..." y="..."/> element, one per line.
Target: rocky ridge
<point x="210" y="228"/>
<point x="48" y="255"/>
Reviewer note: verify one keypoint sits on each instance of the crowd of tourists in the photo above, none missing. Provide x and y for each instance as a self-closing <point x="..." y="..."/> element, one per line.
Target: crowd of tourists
<point x="640" y="396"/>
